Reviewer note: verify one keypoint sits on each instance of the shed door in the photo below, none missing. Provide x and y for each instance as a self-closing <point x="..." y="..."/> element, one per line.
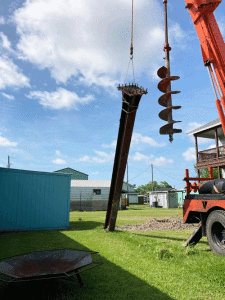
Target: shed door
<point x="161" y="199"/>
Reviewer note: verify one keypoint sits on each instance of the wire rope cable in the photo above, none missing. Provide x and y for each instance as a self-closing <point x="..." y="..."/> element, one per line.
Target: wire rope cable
<point x="131" y="44"/>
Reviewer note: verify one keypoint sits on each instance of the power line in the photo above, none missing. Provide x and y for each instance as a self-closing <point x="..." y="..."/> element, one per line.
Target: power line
<point x="166" y="174"/>
<point x="140" y="174"/>
<point x="158" y="170"/>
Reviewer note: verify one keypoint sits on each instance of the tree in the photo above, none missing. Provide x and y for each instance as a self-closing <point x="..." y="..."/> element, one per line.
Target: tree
<point x="165" y="184"/>
<point x="143" y="189"/>
<point x="204" y="173"/>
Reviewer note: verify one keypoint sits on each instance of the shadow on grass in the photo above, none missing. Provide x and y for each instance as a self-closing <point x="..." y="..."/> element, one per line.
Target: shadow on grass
<point x="168" y="238"/>
<point x="85" y="225"/>
<point x="107" y="281"/>
<point x="135" y="208"/>
<point x="76" y="225"/>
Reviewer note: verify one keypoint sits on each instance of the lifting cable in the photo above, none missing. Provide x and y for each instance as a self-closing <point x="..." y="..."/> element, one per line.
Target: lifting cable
<point x="131" y="45"/>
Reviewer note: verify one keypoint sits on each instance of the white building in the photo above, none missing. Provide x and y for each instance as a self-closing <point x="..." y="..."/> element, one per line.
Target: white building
<point x="94" y="194"/>
<point x="133" y="197"/>
<point x="168" y="198"/>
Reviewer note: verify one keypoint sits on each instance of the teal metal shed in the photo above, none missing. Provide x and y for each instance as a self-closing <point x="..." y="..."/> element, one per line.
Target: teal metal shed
<point x="181" y="196"/>
<point x="31" y="200"/>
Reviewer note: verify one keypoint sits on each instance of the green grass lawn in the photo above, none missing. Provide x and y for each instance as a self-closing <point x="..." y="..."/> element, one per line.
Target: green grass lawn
<point x="137" y="265"/>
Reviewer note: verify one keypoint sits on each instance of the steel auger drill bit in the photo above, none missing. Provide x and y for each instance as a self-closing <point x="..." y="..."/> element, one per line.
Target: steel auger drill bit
<point x="165" y="87"/>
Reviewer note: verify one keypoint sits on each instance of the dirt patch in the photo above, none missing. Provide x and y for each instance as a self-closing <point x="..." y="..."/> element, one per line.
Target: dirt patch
<point x="171" y="223"/>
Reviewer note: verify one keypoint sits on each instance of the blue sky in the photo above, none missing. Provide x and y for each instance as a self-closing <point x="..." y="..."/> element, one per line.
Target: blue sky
<point x="60" y="64"/>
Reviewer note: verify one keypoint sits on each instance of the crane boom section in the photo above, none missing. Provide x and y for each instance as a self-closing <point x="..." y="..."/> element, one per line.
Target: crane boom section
<point x="212" y="45"/>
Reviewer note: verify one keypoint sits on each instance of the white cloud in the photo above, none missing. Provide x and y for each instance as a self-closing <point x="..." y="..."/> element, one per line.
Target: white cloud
<point x="89" y="40"/>
<point x="138" y="157"/>
<point x="2" y="20"/>
<point x="112" y="145"/>
<point x="212" y="146"/>
<point x="153" y="72"/>
<point x="10" y="97"/>
<point x="192" y="126"/>
<point x="138" y="138"/>
<point x="84" y="158"/>
<point x="57" y="152"/>
<point x="177" y="34"/>
<point x="202" y="141"/>
<point x="59" y="161"/>
<point x="102" y="157"/>
<point x="95" y="173"/>
<point x="10" y="74"/>
<point x="5" y="43"/>
<point x="62" y="98"/>
<point x="189" y="154"/>
<point x="162" y="161"/>
<point x="158" y="161"/>
<point x="6" y="142"/>
<point x="221" y="25"/>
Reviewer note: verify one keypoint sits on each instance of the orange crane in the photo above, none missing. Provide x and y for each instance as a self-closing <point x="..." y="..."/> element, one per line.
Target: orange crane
<point x="205" y="208"/>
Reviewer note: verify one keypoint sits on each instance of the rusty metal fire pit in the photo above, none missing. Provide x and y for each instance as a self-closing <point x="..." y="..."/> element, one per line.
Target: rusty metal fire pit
<point x="48" y="264"/>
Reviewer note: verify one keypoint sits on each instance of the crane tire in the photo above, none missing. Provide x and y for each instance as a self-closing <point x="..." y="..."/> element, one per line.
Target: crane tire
<point x="215" y="231"/>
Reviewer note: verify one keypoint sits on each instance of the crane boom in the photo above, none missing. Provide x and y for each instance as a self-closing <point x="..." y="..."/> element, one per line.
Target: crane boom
<point x="212" y="47"/>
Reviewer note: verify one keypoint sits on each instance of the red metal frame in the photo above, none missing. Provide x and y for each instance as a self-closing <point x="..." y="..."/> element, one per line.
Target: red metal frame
<point x="201" y="206"/>
<point x="204" y="203"/>
<point x="194" y="187"/>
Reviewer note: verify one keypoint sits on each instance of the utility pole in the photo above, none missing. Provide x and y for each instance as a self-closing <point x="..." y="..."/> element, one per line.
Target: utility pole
<point x="8" y="162"/>
<point x="152" y="185"/>
<point x="152" y="177"/>
<point x="127" y="186"/>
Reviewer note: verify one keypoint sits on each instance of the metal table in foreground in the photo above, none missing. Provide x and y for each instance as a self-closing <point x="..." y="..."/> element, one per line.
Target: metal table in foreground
<point x="48" y="264"/>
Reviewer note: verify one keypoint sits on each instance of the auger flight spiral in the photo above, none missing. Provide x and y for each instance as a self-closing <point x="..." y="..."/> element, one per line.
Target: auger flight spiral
<point x="165" y="87"/>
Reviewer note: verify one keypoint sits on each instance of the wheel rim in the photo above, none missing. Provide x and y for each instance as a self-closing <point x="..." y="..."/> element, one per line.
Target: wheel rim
<point x="218" y="234"/>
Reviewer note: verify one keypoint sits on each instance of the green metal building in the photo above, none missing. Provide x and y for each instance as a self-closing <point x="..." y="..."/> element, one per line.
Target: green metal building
<point x="75" y="175"/>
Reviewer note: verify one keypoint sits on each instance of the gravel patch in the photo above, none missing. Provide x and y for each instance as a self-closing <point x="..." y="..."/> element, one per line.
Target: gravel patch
<point x="171" y="223"/>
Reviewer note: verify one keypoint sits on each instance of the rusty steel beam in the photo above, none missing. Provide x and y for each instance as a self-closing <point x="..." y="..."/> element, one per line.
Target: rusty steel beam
<point x="131" y="96"/>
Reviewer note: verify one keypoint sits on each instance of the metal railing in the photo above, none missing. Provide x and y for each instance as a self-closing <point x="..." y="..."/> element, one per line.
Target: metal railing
<point x="210" y="154"/>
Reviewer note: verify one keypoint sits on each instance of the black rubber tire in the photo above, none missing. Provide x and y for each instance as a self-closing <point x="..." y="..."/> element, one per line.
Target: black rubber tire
<point x="215" y="231"/>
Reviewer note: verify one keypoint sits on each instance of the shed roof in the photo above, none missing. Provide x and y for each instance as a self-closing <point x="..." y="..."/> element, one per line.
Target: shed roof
<point x="98" y="184"/>
<point x="201" y="131"/>
<point x="90" y="183"/>
<point x="71" y="170"/>
<point x="166" y="190"/>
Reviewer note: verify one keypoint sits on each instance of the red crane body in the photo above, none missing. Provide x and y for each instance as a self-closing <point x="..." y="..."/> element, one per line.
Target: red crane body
<point x="208" y="209"/>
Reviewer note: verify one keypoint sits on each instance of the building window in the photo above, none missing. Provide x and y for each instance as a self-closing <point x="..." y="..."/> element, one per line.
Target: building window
<point x="97" y="192"/>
